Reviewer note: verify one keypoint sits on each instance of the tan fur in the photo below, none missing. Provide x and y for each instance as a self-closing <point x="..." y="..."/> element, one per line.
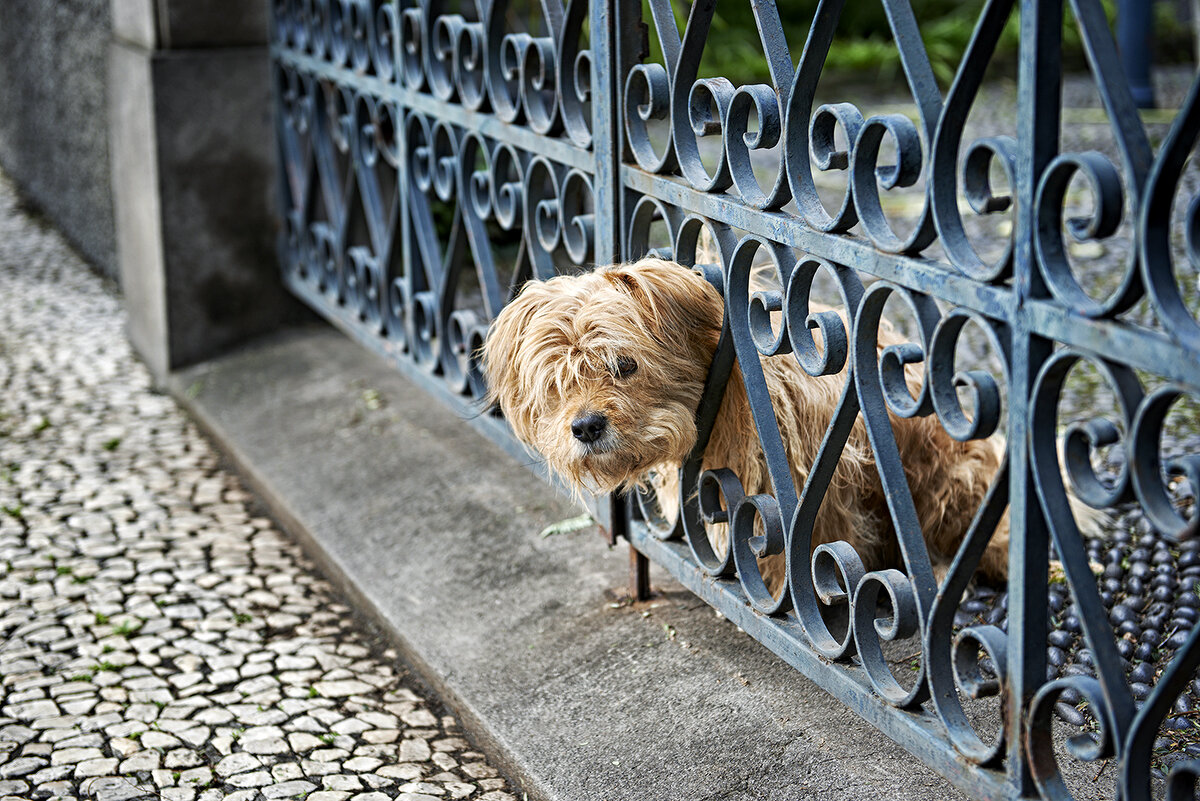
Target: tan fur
<point x="551" y="356"/>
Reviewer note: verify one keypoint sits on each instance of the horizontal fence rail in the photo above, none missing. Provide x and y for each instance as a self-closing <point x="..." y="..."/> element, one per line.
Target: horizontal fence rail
<point x="434" y="156"/>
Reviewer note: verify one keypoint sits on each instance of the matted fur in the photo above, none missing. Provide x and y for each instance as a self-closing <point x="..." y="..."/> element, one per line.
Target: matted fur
<point x="554" y="354"/>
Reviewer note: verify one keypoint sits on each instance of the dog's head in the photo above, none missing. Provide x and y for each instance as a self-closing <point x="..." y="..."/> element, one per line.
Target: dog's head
<point x="601" y="373"/>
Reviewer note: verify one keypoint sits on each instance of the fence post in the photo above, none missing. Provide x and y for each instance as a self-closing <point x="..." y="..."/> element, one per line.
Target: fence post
<point x="193" y="168"/>
<point x="1039" y="105"/>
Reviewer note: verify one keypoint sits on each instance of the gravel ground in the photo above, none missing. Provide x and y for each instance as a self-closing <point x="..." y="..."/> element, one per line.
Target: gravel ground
<point x="159" y="638"/>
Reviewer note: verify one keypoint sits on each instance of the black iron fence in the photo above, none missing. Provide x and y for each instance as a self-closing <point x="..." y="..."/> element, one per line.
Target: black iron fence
<point x="436" y="155"/>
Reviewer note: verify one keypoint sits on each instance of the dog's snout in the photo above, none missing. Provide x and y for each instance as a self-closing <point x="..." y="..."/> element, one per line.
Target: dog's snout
<point x="589" y="427"/>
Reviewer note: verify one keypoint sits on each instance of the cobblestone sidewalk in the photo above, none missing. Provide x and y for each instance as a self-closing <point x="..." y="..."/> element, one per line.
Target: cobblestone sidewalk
<point x="160" y="640"/>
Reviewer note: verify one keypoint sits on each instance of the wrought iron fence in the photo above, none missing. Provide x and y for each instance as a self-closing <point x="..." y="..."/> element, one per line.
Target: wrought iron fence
<point x="435" y="155"/>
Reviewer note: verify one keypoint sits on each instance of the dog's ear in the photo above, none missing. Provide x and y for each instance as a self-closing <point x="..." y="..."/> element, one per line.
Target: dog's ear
<point x="504" y="338"/>
<point x="622" y="280"/>
<point x="681" y="303"/>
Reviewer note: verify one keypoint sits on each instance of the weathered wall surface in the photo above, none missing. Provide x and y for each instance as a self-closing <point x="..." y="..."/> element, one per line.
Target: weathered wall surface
<point x="54" y="116"/>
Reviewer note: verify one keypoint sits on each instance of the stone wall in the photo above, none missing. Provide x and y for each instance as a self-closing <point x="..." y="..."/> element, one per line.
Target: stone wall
<point x="54" y="116"/>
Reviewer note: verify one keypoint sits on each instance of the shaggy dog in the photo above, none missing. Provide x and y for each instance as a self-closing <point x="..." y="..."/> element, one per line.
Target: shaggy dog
<point x="601" y="373"/>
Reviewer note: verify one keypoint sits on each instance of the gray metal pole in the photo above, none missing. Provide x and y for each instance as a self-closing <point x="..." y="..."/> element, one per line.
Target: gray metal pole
<point x="1135" y="34"/>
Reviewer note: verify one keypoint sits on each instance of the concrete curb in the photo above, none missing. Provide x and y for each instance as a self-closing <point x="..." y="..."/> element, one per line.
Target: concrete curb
<point x="433" y="532"/>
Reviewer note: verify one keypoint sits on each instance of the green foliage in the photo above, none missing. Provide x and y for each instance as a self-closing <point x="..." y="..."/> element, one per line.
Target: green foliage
<point x="127" y="627"/>
<point x="864" y="47"/>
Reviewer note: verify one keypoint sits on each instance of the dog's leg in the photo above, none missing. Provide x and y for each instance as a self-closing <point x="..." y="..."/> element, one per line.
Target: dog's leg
<point x="664" y="480"/>
<point x="993" y="565"/>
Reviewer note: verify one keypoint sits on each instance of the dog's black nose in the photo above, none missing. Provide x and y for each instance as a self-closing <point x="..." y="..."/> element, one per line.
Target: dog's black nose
<point x="589" y="427"/>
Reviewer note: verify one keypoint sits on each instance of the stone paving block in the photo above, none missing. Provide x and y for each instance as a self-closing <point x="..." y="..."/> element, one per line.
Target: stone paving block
<point x="237" y="763"/>
<point x="288" y="789"/>
<point x="22" y="767"/>
<point x="72" y="756"/>
<point x="178" y="794"/>
<point x="196" y="776"/>
<point x="414" y="751"/>
<point x="96" y="767"/>
<point x="257" y="778"/>
<point x="406" y="771"/>
<point x="111" y="788"/>
<point x="56" y="789"/>
<point x="139" y="762"/>
<point x="158" y="740"/>
<point x="341" y="689"/>
<point x="264" y="746"/>
<point x="362" y="764"/>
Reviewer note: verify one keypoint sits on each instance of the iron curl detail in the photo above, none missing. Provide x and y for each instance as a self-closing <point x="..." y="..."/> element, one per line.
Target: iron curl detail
<point x="868" y="177"/>
<point x="980" y="155"/>
<point x="647" y="98"/>
<point x="1039" y="728"/>
<point x="1104" y="183"/>
<point x="384" y="34"/>
<point x="809" y="135"/>
<point x="575" y="75"/>
<point x="750" y="541"/>
<point x="945" y="382"/>
<point x="827" y="575"/>
<point x="1160" y="270"/>
<point x="1148" y="468"/>
<point x="763" y="101"/>
<point x="903" y="623"/>
<point x="1048" y="480"/>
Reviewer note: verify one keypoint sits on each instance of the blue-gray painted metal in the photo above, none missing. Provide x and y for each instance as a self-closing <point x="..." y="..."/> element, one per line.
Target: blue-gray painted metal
<point x="435" y="155"/>
<point x="1135" y="36"/>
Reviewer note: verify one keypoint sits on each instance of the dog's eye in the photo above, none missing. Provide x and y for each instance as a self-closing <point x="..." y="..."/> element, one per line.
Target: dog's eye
<point x="625" y="367"/>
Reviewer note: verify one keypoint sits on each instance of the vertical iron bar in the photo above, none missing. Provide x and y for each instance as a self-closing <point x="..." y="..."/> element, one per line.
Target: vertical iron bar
<point x="408" y="248"/>
<point x="606" y="130"/>
<point x="606" y="149"/>
<point x="639" y="575"/>
<point x="630" y="45"/>
<point x="1038" y="114"/>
